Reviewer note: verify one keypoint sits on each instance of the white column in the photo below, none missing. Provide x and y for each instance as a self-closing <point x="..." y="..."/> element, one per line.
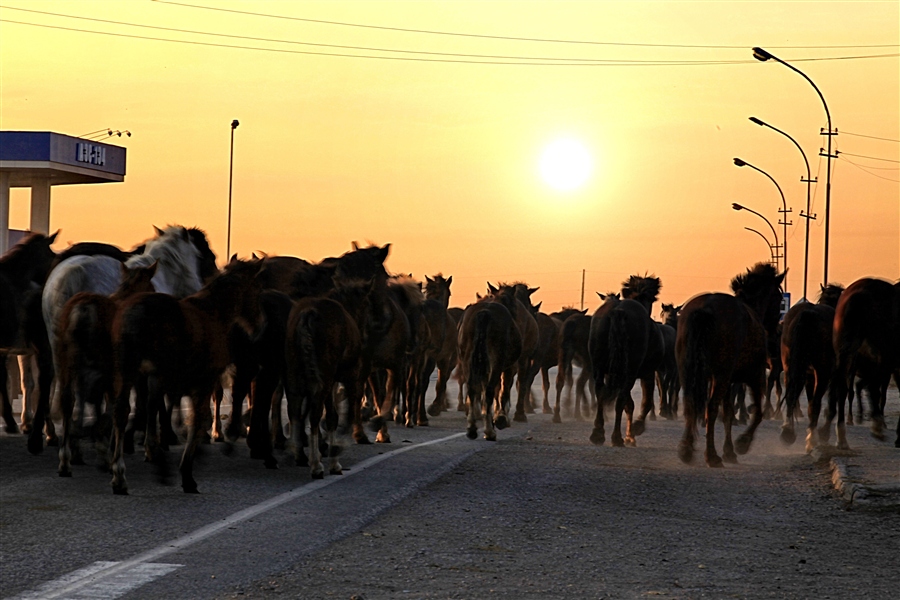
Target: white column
<point x="4" y="214"/>
<point x="40" y="206"/>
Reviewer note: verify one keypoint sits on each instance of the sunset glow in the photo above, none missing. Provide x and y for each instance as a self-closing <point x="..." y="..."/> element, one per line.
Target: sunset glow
<point x="390" y="132"/>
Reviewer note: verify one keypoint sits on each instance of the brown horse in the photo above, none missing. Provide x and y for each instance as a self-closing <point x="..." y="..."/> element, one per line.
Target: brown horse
<point x="23" y="271"/>
<point x="442" y="350"/>
<point x="625" y="345"/>
<point x="489" y="349"/>
<point x="547" y="351"/>
<point x="667" y="375"/>
<point x="179" y="348"/>
<point x="528" y="331"/>
<point x="722" y="341"/>
<point x="86" y="359"/>
<point x="324" y="348"/>
<point x="866" y="337"/>
<point x="807" y="357"/>
<point x="573" y="349"/>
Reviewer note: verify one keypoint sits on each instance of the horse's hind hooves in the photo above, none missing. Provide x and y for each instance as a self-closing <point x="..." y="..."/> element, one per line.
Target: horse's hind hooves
<point x="434" y="410"/>
<point x="35" y="444"/>
<point x="742" y="444"/>
<point x="638" y="427"/>
<point x="501" y="422"/>
<point x="788" y="436"/>
<point x="65" y="472"/>
<point x="598" y="438"/>
<point x="520" y="417"/>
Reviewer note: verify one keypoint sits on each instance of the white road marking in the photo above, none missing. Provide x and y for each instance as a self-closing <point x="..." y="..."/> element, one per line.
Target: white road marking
<point x="82" y="587"/>
<point x="114" y="579"/>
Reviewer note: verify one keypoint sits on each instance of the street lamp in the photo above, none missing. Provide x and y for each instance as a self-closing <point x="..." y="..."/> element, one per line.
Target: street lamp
<point x="785" y="210"/>
<point x="737" y="206"/>
<point x="762" y="55"/>
<point x="768" y="243"/>
<point x="808" y="181"/>
<point x="234" y="125"/>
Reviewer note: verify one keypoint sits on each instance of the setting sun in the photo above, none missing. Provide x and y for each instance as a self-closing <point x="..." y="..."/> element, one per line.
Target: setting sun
<point x="565" y="164"/>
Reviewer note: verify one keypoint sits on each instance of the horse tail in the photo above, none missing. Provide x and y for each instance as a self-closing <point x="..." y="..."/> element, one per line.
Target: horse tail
<point x="618" y="352"/>
<point x="567" y="352"/>
<point x="480" y="361"/>
<point x="699" y="325"/>
<point x="306" y="348"/>
<point x="802" y="342"/>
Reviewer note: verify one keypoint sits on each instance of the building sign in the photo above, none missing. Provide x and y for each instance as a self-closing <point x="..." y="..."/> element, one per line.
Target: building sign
<point x="90" y="153"/>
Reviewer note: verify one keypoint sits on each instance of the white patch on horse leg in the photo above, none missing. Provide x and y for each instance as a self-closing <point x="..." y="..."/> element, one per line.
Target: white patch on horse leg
<point x="315" y="458"/>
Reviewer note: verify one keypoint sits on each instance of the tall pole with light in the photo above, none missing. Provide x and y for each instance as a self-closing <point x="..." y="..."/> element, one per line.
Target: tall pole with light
<point x="234" y="125"/>
<point x="768" y="243"/>
<point x="736" y="206"/>
<point x="808" y="181"/>
<point x="784" y="210"/>
<point x="762" y="55"/>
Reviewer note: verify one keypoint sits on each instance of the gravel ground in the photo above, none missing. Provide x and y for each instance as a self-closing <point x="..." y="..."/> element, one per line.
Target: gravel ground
<point x="547" y="515"/>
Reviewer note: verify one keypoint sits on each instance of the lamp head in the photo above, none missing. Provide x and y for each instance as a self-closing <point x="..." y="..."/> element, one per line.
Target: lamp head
<point x="739" y="163"/>
<point x="234" y="124"/>
<point x="761" y="55"/>
<point x="757" y="121"/>
<point x="736" y="206"/>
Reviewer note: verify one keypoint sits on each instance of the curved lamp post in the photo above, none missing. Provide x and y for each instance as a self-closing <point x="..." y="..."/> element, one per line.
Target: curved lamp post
<point x="768" y="243"/>
<point x="737" y="206"/>
<point x="762" y="55"/>
<point x="785" y="210"/>
<point x="808" y="181"/>
<point x="234" y="125"/>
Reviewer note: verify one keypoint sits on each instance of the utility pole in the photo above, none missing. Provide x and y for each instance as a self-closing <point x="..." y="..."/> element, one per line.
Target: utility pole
<point x="582" y="289"/>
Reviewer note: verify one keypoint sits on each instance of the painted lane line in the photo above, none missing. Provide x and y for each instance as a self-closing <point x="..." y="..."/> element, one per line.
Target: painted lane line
<point x="69" y="586"/>
<point x="108" y="588"/>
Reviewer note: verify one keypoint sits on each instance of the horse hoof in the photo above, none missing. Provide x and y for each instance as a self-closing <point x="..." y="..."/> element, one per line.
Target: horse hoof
<point x="11" y="427"/>
<point x="714" y="461"/>
<point x="471" y="433"/>
<point x="460" y="408"/>
<point x="617" y="442"/>
<point x="843" y="445"/>
<point x="120" y="491"/>
<point x="362" y="439"/>
<point x="630" y="442"/>
<point x="501" y="422"/>
<point x="652" y="416"/>
<point x="598" y="438"/>
<point x="376" y="423"/>
<point x="318" y="475"/>
<point x="35" y="444"/>
<point x="547" y="410"/>
<point x="434" y="410"/>
<point x="638" y="427"/>
<point x="742" y="444"/>
<point x="65" y="472"/>
<point x="519" y="417"/>
<point x="788" y="436"/>
<point x="730" y="458"/>
<point x="878" y="429"/>
<point x="190" y="489"/>
<point x="685" y="453"/>
<point x="491" y="437"/>
<point x="557" y="418"/>
<point x="270" y="462"/>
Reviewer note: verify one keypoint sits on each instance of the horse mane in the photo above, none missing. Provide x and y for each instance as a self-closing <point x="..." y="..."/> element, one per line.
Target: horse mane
<point x="20" y="250"/>
<point x="639" y="288"/>
<point x="408" y="288"/>
<point x="829" y="294"/>
<point x="757" y="280"/>
<point x="178" y="258"/>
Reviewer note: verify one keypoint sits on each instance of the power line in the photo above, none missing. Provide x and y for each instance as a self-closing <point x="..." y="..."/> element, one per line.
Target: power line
<point x="871" y="137"/>
<point x="338" y="46"/>
<point x="869" y="157"/>
<point x="586" y="62"/>
<point x="865" y="170"/>
<point x="497" y="37"/>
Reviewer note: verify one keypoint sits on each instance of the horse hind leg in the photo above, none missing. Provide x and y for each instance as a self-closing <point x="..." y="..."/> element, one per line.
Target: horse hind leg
<point x="712" y="409"/>
<point x="5" y="395"/>
<point x="728" y="453"/>
<point x="624" y="404"/>
<point x="745" y="439"/>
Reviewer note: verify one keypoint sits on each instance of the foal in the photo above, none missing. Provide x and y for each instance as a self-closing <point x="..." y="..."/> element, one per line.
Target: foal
<point x="179" y="348"/>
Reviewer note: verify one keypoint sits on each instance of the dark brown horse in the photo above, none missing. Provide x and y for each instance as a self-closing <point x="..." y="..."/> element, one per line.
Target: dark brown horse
<point x="573" y="349"/>
<point x="528" y="331"/>
<point x="86" y="358"/>
<point x="23" y="271"/>
<point x="866" y="337"/>
<point x="722" y="341"/>
<point x="547" y="351"/>
<point x="625" y="345"/>
<point x="324" y="348"/>
<point x="489" y="349"/>
<point x="179" y="348"/>
<point x="667" y="375"/>
<point x="807" y="356"/>
<point x="442" y="350"/>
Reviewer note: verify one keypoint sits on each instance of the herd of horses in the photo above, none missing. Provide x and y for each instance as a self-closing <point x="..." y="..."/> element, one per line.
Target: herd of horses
<point x="127" y="335"/>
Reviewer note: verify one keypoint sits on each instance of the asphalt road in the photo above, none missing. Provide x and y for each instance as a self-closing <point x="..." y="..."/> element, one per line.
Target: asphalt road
<point x="541" y="513"/>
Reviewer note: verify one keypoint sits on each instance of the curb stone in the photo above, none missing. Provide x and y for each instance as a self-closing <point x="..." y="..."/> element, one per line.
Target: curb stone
<point x="858" y="495"/>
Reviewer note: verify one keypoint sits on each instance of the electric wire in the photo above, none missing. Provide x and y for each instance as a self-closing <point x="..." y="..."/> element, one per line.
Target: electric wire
<point x="496" y="37"/>
<point x="866" y="170"/>
<point x="869" y="157"/>
<point x="523" y="62"/>
<point x="871" y="137"/>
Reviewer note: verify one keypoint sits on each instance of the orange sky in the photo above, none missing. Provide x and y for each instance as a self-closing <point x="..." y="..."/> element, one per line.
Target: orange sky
<point x="440" y="159"/>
